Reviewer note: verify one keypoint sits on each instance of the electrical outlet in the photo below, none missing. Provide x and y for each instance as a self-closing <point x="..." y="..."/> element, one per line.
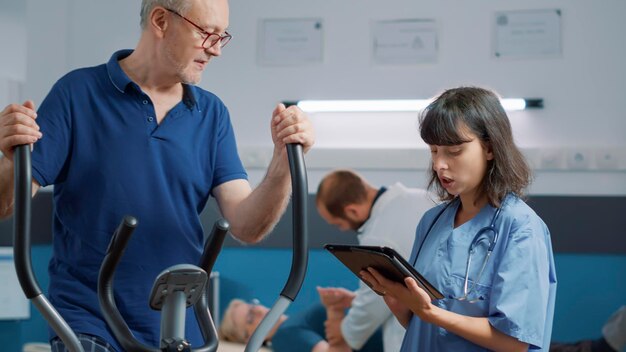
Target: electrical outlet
<point x="578" y="159"/>
<point x="552" y="159"/>
<point x="533" y="157"/>
<point x="607" y="159"/>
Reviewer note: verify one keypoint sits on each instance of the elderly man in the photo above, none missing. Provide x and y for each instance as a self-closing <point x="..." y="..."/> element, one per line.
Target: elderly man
<point x="136" y="136"/>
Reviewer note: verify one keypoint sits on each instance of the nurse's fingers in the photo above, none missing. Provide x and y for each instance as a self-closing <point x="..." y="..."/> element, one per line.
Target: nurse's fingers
<point x="367" y="276"/>
<point x="414" y="288"/>
<point x="372" y="282"/>
<point x="383" y="281"/>
<point x="386" y="286"/>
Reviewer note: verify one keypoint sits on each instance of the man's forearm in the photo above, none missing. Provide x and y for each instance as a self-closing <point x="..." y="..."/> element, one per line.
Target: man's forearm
<point x="7" y="196"/>
<point x="260" y="211"/>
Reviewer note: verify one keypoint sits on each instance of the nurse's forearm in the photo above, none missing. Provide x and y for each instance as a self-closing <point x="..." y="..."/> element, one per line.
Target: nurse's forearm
<point x="402" y="314"/>
<point x="401" y="311"/>
<point x="476" y="330"/>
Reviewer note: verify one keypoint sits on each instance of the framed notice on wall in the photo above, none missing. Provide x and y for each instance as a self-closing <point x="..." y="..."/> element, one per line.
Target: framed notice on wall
<point x="403" y="42"/>
<point x="284" y="42"/>
<point x="527" y="34"/>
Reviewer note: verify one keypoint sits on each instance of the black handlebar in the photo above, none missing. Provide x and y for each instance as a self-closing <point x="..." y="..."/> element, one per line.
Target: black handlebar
<point x="111" y="314"/>
<point x="213" y="245"/>
<point x="21" y="223"/>
<point x="212" y="248"/>
<point x="21" y="249"/>
<point x="300" y="192"/>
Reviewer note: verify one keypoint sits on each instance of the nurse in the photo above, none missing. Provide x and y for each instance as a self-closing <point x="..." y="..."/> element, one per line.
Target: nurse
<point x="484" y="248"/>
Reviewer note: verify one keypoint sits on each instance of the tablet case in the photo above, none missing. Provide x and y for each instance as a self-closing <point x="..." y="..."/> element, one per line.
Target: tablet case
<point x="385" y="260"/>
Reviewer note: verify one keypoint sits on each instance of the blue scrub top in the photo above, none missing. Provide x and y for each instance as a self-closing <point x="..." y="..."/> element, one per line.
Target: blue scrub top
<point x="107" y="157"/>
<point x="518" y="286"/>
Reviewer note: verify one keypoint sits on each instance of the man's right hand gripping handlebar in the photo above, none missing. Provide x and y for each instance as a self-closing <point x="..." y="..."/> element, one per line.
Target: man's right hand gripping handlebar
<point x="18" y="127"/>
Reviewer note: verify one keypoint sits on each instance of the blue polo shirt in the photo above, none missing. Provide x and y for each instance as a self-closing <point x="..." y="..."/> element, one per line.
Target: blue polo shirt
<point x="107" y="157"/>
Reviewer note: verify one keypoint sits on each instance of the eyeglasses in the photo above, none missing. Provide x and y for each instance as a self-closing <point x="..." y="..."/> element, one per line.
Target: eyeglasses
<point x="250" y="316"/>
<point x="210" y="39"/>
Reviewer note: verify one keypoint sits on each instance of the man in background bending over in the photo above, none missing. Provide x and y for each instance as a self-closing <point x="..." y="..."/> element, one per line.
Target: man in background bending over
<point x="385" y="216"/>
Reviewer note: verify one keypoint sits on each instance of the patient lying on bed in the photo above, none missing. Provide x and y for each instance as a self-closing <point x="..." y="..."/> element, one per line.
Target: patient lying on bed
<point x="302" y="331"/>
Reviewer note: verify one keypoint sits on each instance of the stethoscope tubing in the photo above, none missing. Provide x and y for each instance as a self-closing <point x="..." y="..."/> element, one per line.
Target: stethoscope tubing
<point x="477" y="238"/>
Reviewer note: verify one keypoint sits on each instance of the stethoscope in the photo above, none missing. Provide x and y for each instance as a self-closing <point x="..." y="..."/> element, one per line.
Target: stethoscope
<point x="480" y="236"/>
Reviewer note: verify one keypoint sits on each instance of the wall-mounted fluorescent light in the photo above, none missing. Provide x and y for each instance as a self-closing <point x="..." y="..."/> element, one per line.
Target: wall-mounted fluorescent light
<point x="397" y="105"/>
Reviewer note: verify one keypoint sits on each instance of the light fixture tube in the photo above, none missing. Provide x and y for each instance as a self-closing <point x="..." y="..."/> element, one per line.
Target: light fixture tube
<point x="405" y="105"/>
<point x="362" y="105"/>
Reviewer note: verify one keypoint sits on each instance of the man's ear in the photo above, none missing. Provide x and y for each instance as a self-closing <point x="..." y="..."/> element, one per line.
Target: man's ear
<point x="159" y="21"/>
<point x="353" y="212"/>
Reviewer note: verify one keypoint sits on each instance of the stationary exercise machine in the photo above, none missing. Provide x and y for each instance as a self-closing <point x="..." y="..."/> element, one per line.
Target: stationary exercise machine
<point x="176" y="288"/>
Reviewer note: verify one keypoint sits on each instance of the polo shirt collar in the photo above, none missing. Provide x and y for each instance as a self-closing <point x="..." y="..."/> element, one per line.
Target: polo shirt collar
<point x="189" y="95"/>
<point x="117" y="76"/>
<point x="120" y="79"/>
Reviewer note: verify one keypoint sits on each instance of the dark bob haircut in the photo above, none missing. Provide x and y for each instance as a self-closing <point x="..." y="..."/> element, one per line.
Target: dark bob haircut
<point x="479" y="110"/>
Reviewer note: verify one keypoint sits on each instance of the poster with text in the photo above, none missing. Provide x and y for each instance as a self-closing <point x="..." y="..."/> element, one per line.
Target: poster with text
<point x="527" y="34"/>
<point x="286" y="42"/>
<point x="404" y="42"/>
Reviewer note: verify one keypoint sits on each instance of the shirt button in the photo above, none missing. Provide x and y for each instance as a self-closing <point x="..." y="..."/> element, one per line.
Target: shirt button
<point x="145" y="102"/>
<point x="150" y="118"/>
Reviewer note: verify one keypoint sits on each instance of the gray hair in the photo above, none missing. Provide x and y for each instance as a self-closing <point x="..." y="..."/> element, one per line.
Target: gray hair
<point x="180" y="6"/>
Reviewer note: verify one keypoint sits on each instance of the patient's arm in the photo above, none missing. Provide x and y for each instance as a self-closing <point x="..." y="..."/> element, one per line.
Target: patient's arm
<point x="335" y="297"/>
<point x="336" y="342"/>
<point x="323" y="346"/>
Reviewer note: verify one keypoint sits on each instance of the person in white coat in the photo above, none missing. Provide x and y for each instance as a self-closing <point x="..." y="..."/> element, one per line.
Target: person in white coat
<point x="385" y="216"/>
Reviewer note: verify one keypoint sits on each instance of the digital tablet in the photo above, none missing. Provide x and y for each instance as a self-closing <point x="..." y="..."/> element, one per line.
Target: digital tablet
<point x="385" y="260"/>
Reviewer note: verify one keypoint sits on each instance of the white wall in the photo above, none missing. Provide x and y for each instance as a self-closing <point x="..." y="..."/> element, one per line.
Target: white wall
<point x="12" y="40"/>
<point x="46" y="28"/>
<point x="13" y="44"/>
<point x="582" y="89"/>
<point x="587" y="82"/>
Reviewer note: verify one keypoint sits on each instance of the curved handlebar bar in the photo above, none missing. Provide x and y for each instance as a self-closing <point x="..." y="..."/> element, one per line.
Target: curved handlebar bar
<point x="300" y="256"/>
<point x="212" y="248"/>
<point x="105" y="287"/>
<point x="300" y="251"/>
<point x="21" y="222"/>
<point x="21" y="248"/>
